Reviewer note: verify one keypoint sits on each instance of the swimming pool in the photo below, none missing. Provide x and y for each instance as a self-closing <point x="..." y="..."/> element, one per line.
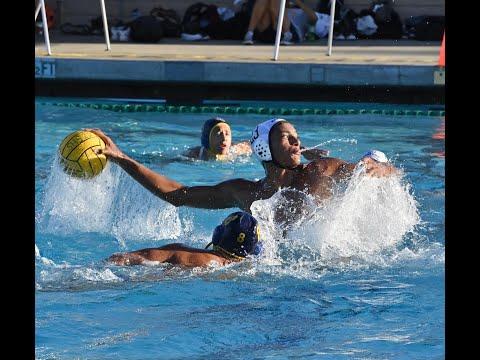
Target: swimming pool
<point x="364" y="280"/>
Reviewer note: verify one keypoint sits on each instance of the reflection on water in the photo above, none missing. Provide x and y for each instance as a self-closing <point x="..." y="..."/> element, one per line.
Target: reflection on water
<point x="440" y="135"/>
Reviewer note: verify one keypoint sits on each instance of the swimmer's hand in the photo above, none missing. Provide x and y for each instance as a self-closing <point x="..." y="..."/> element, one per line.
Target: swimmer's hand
<point x="111" y="150"/>
<point x="378" y="169"/>
<point x="242" y="148"/>
<point x="314" y="154"/>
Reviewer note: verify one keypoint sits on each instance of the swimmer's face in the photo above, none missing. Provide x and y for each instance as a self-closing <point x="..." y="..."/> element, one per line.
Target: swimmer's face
<point x="221" y="139"/>
<point x="285" y="144"/>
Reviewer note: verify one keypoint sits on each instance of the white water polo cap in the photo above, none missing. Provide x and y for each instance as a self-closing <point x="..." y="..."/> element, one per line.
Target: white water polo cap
<point x="376" y="155"/>
<point x="260" y="139"/>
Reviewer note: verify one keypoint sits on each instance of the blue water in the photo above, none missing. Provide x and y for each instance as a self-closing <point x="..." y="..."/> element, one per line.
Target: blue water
<point x="363" y="280"/>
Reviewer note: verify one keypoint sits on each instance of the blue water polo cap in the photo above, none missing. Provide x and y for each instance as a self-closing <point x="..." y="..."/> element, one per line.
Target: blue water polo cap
<point x="207" y="128"/>
<point x="237" y="236"/>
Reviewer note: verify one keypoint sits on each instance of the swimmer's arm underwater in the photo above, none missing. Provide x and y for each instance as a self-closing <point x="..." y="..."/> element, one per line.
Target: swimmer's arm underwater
<point x="193" y="153"/>
<point x="220" y="196"/>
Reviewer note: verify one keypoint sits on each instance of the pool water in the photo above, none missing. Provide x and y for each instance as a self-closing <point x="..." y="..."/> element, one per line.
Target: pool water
<point x="361" y="277"/>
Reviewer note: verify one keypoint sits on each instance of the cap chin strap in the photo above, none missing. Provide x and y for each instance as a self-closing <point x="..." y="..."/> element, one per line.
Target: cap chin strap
<point x="226" y="253"/>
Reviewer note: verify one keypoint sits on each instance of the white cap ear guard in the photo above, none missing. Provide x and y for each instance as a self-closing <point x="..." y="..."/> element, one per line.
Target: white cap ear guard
<point x="259" y="141"/>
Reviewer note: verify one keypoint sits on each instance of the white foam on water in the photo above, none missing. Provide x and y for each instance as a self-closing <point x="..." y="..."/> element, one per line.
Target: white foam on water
<point x="336" y="140"/>
<point x="140" y="215"/>
<point x="433" y="255"/>
<point x="104" y="275"/>
<point x="365" y="222"/>
<point x="118" y="338"/>
<point x="75" y="277"/>
<point x="150" y="262"/>
<point x="373" y="215"/>
<point x="110" y="203"/>
<point x="42" y="259"/>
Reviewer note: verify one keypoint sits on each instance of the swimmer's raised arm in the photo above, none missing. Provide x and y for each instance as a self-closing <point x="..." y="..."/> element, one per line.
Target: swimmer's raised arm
<point x="333" y="167"/>
<point x="220" y="196"/>
<point x="341" y="170"/>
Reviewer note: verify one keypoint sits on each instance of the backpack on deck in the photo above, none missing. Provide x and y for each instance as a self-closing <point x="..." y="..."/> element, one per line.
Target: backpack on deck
<point x="147" y="29"/>
<point x="71" y="29"/>
<point x="366" y="25"/>
<point x="345" y="18"/>
<point x="387" y="19"/>
<point x="425" y="27"/>
<point x="172" y="26"/>
<point x="198" y="17"/>
<point x="231" y="29"/>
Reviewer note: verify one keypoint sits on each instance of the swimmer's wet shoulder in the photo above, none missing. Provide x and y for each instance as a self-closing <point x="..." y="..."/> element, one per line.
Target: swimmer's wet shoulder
<point x="234" y="239"/>
<point x="193" y="153"/>
<point x="193" y="257"/>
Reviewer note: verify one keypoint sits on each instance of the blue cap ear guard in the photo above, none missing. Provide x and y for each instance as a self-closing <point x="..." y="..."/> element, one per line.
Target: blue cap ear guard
<point x="207" y="127"/>
<point x="237" y="236"/>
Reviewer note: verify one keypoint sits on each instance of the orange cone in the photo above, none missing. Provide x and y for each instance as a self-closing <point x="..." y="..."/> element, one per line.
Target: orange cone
<point x="441" y="60"/>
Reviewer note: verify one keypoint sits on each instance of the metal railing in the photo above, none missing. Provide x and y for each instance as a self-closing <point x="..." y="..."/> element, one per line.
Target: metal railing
<point x="281" y="13"/>
<point x="41" y="6"/>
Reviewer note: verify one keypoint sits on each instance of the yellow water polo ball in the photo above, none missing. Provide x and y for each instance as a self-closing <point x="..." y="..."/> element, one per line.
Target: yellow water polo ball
<point x="78" y="157"/>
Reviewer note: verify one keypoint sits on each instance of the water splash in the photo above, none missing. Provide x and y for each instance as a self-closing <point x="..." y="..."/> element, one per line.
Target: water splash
<point x="75" y="278"/>
<point x="327" y="142"/>
<point x="41" y="259"/>
<point x="110" y="203"/>
<point x="365" y="223"/>
<point x="64" y="276"/>
<point x="362" y="223"/>
<point x="373" y="215"/>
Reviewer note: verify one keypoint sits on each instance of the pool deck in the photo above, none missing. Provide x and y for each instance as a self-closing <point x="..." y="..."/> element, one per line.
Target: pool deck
<point x="358" y="62"/>
<point x="82" y="62"/>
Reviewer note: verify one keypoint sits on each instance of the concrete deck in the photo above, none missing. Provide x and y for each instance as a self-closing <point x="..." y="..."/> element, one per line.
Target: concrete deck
<point x="366" y="52"/>
<point x="388" y="63"/>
